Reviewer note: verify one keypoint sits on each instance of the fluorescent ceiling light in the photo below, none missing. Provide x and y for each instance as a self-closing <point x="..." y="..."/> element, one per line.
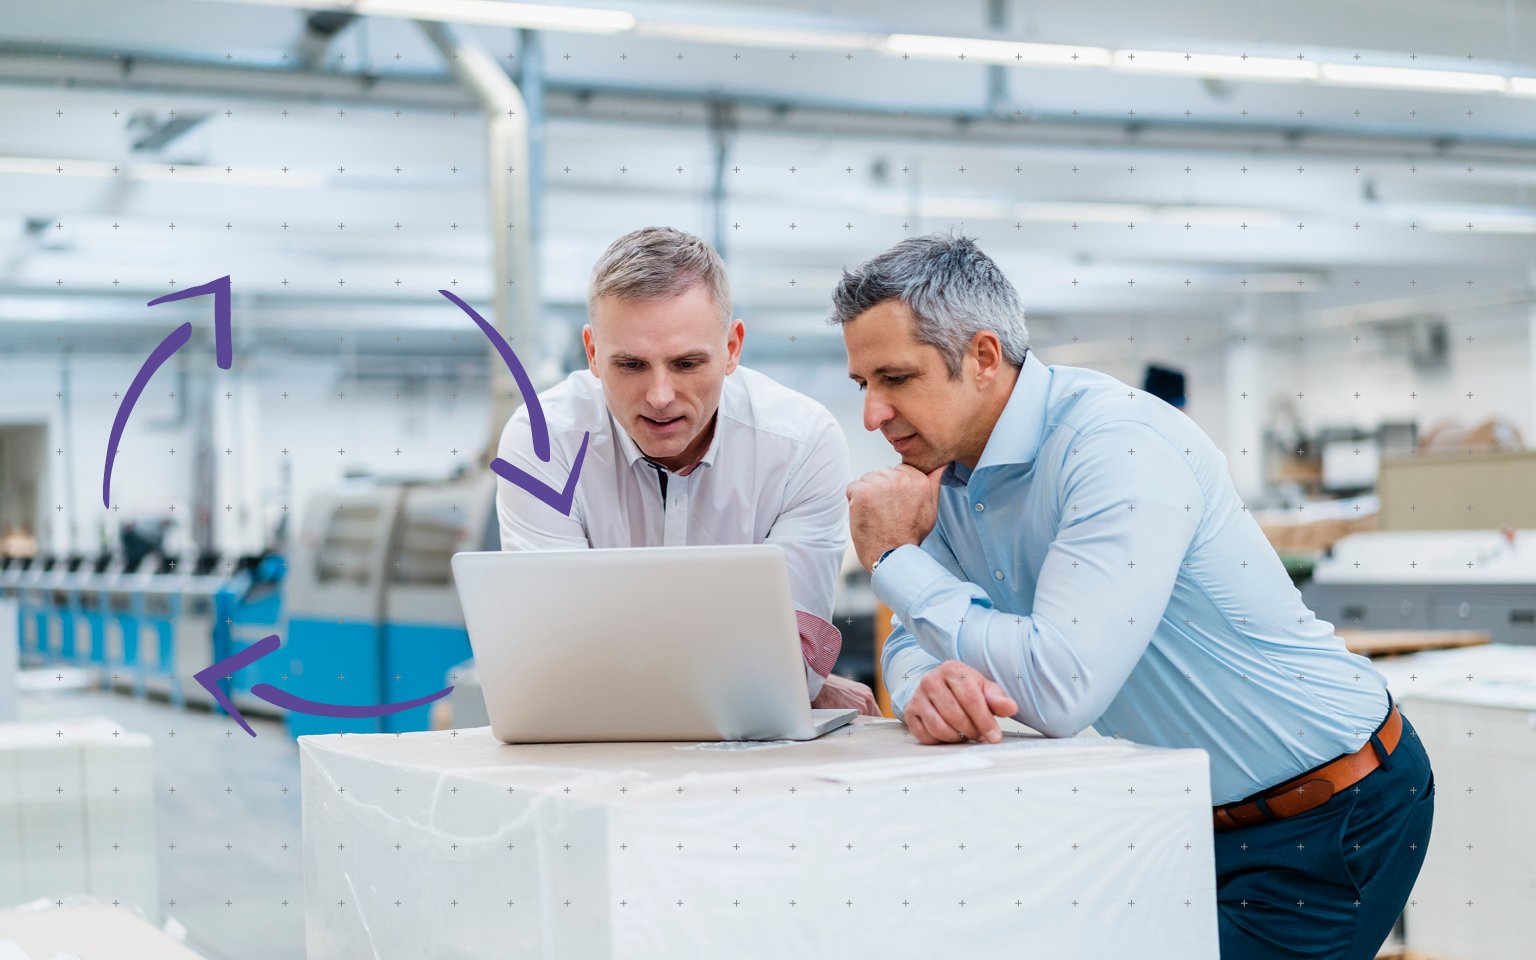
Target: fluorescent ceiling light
<point x="1413" y="77"/>
<point x="185" y="172"/>
<point x="531" y="16"/>
<point x="1481" y="222"/>
<point x="1083" y="211"/>
<point x="995" y="51"/>
<point x="791" y="39"/>
<point x="55" y="168"/>
<point x="1522" y="86"/>
<point x="492" y="13"/>
<point x="1215" y="65"/>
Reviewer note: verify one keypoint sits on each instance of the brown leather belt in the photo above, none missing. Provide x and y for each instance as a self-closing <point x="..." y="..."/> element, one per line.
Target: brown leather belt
<point x="1314" y="788"/>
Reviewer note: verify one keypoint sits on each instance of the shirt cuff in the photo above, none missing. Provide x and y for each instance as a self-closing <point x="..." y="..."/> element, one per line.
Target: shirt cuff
<point x="902" y="580"/>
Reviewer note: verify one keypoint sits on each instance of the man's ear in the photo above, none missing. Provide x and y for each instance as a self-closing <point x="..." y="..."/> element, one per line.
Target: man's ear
<point x="735" y="337"/>
<point x="591" y="347"/>
<point x="987" y="350"/>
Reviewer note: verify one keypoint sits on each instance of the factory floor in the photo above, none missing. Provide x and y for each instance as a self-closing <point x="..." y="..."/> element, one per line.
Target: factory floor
<point x="227" y="818"/>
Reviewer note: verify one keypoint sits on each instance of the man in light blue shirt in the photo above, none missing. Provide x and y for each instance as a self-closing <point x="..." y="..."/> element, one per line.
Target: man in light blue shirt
<point x="1063" y="549"/>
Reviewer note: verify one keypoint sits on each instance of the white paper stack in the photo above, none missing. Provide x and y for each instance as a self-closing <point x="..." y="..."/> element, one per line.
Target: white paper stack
<point x="84" y="931"/>
<point x="77" y="814"/>
<point x="1475" y="711"/>
<point x="451" y="844"/>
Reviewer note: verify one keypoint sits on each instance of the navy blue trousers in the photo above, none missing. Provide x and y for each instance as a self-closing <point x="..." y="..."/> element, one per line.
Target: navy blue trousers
<point x="1328" y="883"/>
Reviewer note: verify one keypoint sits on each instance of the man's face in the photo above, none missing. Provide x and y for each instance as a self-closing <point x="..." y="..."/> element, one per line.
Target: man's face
<point x="929" y="419"/>
<point x="663" y="364"/>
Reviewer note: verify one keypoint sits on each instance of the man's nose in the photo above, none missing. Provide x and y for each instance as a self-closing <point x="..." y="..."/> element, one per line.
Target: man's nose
<point x="660" y="393"/>
<point x="877" y="413"/>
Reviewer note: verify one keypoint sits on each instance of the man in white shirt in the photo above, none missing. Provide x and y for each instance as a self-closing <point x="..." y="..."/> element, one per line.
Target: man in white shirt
<point x="687" y="447"/>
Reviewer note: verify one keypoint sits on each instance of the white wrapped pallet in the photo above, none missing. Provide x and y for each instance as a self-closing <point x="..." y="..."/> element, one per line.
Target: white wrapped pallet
<point x="451" y="844"/>
<point x="1475" y="711"/>
<point x="77" y="814"/>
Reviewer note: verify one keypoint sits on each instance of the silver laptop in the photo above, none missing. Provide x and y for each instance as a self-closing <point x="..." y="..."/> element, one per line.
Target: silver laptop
<point x="669" y="643"/>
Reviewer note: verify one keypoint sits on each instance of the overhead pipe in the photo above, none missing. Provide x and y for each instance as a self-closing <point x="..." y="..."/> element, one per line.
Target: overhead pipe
<point x="515" y="291"/>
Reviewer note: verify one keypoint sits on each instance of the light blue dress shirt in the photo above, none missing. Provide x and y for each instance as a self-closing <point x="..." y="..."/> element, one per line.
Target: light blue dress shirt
<point x="1098" y="564"/>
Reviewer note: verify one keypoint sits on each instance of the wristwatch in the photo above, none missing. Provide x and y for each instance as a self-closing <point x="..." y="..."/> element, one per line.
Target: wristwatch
<point x="876" y="565"/>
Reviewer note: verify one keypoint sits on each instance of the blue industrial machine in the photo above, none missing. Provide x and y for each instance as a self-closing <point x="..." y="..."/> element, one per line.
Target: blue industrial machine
<point x="145" y="625"/>
<point x="333" y="636"/>
<point x="424" y="633"/>
<point x="372" y="615"/>
<point x="247" y="607"/>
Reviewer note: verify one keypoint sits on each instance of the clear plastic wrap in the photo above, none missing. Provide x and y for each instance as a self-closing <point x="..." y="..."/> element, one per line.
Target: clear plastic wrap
<point x="453" y="845"/>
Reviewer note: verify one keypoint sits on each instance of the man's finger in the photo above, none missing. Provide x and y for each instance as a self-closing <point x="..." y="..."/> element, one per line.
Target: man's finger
<point x="938" y="730"/>
<point x="867" y="703"/>
<point x="914" y="721"/>
<point x="968" y="693"/>
<point x="998" y="700"/>
<point x="943" y="701"/>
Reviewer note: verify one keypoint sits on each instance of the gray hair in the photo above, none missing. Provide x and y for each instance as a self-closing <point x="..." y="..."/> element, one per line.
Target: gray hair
<point x="953" y="290"/>
<point x="655" y="263"/>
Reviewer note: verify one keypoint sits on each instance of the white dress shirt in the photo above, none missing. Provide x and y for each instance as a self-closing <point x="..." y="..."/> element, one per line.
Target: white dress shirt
<point x="776" y="471"/>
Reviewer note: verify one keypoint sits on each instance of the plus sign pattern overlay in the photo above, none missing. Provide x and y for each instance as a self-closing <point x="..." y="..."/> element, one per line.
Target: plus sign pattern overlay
<point x="1322" y="291"/>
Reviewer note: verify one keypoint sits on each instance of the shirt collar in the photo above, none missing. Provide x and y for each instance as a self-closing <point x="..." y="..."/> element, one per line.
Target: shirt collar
<point x="729" y="399"/>
<point x="1020" y="428"/>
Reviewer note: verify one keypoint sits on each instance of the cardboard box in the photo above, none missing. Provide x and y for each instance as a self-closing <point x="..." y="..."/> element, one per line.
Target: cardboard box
<point x="451" y="844"/>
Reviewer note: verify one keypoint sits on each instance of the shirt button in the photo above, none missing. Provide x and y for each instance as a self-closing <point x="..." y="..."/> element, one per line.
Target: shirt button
<point x="980" y="507"/>
<point x="998" y="574"/>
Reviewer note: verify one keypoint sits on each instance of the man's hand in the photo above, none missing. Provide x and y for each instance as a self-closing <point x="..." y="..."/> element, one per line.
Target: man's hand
<point x="954" y="702"/>
<point x="891" y="507"/>
<point x="839" y="693"/>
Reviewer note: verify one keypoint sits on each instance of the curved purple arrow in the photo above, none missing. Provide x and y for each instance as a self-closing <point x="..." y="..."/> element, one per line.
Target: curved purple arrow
<point x="209" y="677"/>
<point x="561" y="499"/>
<point x="174" y="341"/>
<point x="288" y="701"/>
<point x="223" y="343"/>
<point x="224" y="353"/>
<point x="536" y="423"/>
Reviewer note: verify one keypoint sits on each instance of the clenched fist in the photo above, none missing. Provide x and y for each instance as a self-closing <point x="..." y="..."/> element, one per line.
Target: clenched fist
<point x="891" y="507"/>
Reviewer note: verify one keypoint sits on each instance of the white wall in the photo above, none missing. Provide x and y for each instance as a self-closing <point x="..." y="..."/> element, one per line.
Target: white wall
<point x="256" y="423"/>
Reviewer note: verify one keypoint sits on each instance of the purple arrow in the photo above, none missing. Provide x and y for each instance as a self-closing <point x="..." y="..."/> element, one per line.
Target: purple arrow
<point x="209" y="677"/>
<point x="175" y="340"/>
<point x="560" y="500"/>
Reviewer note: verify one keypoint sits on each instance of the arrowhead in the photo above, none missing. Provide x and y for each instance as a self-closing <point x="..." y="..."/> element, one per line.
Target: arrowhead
<point x="559" y="499"/>
<point x="209" y="676"/>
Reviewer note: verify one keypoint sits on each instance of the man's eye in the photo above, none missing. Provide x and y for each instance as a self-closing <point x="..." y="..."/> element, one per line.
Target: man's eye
<point x="629" y="365"/>
<point x="896" y="381"/>
<point x="859" y="385"/>
<point x="687" y="364"/>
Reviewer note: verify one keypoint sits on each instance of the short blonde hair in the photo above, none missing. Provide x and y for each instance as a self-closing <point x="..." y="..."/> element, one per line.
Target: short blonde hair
<point x="654" y="263"/>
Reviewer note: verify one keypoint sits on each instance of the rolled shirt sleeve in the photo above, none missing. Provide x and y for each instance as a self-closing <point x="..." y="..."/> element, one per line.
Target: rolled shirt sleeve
<point x="1125" y="526"/>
